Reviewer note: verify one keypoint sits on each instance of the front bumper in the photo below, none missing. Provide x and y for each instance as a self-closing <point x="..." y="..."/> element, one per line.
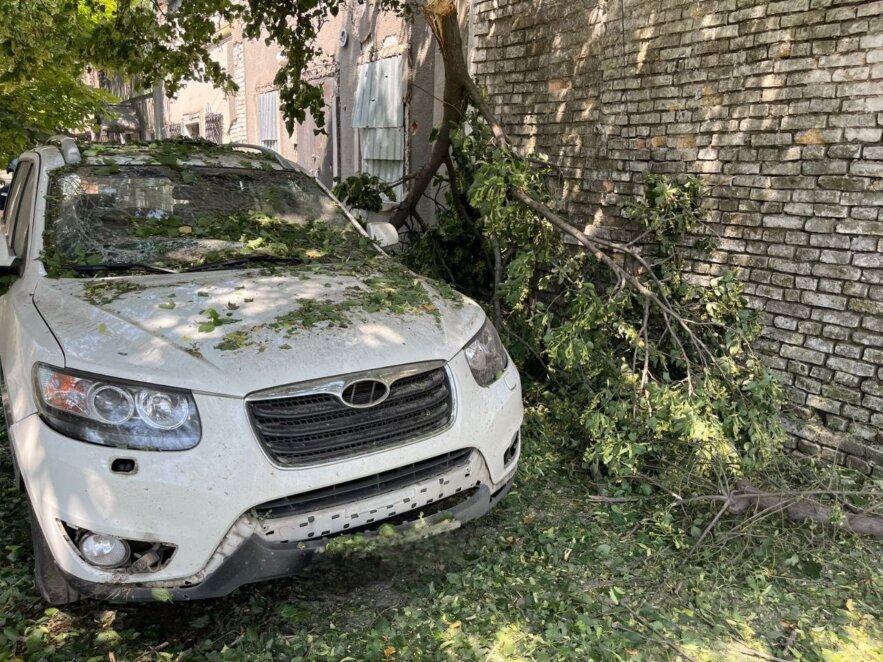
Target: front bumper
<point x="258" y="559"/>
<point x="196" y="500"/>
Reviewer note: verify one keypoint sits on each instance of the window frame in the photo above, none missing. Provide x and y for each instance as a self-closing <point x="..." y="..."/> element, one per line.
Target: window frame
<point x="12" y="220"/>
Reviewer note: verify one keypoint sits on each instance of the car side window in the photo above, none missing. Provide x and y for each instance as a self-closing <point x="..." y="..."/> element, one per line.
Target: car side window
<point x="22" y="224"/>
<point x="14" y="202"/>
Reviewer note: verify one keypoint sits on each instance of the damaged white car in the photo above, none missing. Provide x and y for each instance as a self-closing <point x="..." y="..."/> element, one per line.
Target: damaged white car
<point x="210" y="374"/>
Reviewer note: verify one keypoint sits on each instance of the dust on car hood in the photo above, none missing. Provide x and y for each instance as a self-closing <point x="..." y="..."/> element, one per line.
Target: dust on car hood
<point x="235" y="332"/>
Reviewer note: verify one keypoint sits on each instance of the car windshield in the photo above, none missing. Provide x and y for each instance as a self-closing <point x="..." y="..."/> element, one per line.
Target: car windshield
<point x="181" y="217"/>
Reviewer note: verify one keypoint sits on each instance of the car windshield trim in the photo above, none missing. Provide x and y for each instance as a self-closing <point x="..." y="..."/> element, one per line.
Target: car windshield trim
<point x="123" y="266"/>
<point x="243" y="260"/>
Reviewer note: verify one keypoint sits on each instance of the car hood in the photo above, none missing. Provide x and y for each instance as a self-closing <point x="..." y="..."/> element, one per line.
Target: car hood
<point x="236" y="332"/>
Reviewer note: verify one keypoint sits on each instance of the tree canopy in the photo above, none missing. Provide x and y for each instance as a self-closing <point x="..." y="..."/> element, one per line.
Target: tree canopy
<point x="48" y="45"/>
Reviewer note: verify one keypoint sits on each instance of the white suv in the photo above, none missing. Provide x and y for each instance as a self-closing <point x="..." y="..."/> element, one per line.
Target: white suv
<point x="210" y="373"/>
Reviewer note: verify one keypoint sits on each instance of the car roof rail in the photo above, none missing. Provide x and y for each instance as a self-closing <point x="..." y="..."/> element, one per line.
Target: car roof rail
<point x="68" y="147"/>
<point x="281" y="160"/>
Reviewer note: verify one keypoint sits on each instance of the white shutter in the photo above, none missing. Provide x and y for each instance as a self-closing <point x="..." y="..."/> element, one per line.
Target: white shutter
<point x="268" y="119"/>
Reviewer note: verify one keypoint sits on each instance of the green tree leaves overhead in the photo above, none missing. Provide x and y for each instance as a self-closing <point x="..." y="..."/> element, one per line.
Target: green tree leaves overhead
<point x="44" y="52"/>
<point x="47" y="45"/>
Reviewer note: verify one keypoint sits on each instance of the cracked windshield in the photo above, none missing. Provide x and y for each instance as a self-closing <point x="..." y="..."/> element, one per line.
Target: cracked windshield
<point x="158" y="217"/>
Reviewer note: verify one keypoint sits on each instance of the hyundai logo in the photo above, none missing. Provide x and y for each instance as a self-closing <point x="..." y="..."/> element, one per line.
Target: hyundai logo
<point x="364" y="393"/>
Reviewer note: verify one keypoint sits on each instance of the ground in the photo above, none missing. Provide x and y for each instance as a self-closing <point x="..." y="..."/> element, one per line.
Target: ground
<point x="549" y="575"/>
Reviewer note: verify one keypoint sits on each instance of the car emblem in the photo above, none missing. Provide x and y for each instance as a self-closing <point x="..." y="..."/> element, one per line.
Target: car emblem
<point x="364" y="393"/>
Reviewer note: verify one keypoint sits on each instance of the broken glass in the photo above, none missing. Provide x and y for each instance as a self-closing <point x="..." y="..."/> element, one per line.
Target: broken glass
<point x="114" y="215"/>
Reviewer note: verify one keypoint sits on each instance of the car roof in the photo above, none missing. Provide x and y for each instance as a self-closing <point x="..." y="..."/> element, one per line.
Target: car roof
<point x="177" y="153"/>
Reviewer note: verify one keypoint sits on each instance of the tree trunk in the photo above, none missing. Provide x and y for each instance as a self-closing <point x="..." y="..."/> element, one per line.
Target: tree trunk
<point x="445" y="25"/>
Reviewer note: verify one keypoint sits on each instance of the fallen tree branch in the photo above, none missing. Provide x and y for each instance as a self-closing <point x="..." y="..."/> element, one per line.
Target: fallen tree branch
<point x="598" y="498"/>
<point x="798" y="509"/>
<point x="594" y="246"/>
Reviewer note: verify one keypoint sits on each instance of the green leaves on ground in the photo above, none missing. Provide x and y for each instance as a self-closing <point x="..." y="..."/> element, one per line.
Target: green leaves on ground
<point x="215" y="320"/>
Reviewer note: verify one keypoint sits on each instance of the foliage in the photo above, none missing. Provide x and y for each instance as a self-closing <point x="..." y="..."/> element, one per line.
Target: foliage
<point x="669" y="210"/>
<point x="620" y="385"/>
<point x="548" y="575"/>
<point x="6" y="282"/>
<point x="364" y="191"/>
<point x="455" y="248"/>
<point x="380" y="284"/>
<point x="45" y="47"/>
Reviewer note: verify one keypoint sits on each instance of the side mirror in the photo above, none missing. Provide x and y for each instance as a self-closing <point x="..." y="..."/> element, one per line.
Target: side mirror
<point x="385" y="234"/>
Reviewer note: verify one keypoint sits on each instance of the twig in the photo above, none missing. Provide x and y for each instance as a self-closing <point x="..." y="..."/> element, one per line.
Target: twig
<point x="792" y="637"/>
<point x="597" y="498"/>
<point x="594" y="245"/>
<point x="498" y="278"/>
<point x="153" y="650"/>
<point x="680" y="651"/>
<point x="763" y="656"/>
<point x="711" y="525"/>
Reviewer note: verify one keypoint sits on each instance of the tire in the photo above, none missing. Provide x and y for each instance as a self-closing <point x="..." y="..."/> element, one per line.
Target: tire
<point x="51" y="582"/>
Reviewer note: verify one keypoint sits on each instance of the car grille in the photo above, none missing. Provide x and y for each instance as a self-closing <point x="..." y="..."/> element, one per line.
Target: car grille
<point x="306" y="429"/>
<point x="363" y="488"/>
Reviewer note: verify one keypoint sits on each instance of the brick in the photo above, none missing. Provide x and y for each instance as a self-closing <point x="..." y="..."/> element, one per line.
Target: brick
<point x="867" y="168"/>
<point x="863" y="135"/>
<point x="851" y="367"/>
<point x="836" y="271"/>
<point x="802" y="354"/>
<point x="824" y="300"/>
<point x="860" y="227"/>
<point x="872" y="260"/>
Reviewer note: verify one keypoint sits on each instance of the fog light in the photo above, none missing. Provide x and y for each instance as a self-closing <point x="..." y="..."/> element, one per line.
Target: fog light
<point x="510" y="453"/>
<point x="103" y="550"/>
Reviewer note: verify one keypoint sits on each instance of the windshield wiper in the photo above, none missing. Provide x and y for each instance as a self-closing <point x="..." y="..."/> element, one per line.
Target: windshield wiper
<point x="243" y="260"/>
<point x="122" y="266"/>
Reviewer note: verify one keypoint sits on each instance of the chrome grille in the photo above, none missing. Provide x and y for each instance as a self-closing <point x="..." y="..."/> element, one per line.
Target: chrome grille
<point x="317" y="427"/>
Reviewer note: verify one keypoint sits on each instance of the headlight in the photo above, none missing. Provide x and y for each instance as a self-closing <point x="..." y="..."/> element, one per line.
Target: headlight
<point x="116" y="413"/>
<point x="486" y="355"/>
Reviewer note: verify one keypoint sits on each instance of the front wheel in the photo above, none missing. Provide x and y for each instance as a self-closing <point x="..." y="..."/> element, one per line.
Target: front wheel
<point x="51" y="582"/>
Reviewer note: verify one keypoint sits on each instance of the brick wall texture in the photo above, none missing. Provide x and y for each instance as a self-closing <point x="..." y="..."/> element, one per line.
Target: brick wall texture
<point x="779" y="107"/>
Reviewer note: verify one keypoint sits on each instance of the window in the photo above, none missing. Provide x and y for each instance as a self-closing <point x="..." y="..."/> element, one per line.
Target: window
<point x="214" y="127"/>
<point x="379" y="115"/>
<point x="25" y="211"/>
<point x="268" y="119"/>
<point x="18" y="207"/>
<point x="192" y="129"/>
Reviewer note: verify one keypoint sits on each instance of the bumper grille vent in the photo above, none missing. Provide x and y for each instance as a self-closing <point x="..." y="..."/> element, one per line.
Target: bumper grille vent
<point x="363" y="488"/>
<point x="307" y="429"/>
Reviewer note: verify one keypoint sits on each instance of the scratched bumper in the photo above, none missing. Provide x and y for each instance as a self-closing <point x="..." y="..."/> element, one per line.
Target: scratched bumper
<point x="258" y="559"/>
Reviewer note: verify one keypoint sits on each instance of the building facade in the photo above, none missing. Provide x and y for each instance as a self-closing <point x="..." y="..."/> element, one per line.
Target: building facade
<point x="379" y="74"/>
<point x="778" y="106"/>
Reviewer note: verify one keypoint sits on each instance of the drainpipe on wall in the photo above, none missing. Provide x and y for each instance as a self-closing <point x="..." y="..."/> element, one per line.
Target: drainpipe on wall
<point x="159" y="111"/>
<point x="335" y="127"/>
